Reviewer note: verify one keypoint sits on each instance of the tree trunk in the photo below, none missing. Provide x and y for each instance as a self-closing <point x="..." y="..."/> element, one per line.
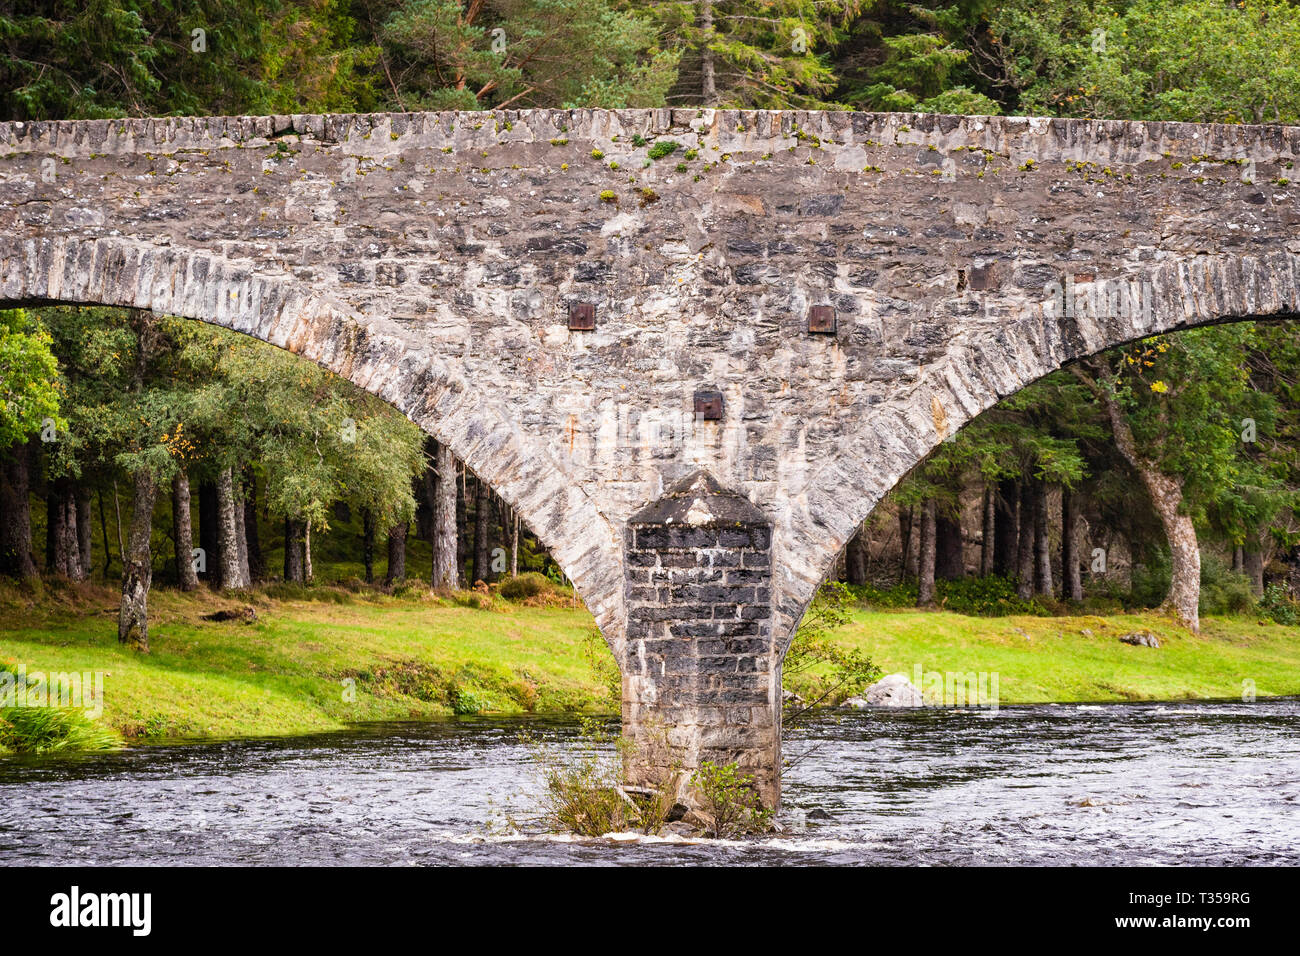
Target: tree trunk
<point x="396" y="554"/>
<point x="1025" y="543"/>
<point x="308" y="572"/>
<point x="926" y="561"/>
<point x="1253" y="563"/>
<point x="117" y="525"/>
<point x="51" y="525"/>
<point x="482" y="539"/>
<point x="906" y="524"/>
<point x="368" y="543"/>
<point x="1184" y="549"/>
<point x="514" y="545"/>
<point x="241" y="534"/>
<point x="1239" y="559"/>
<point x="183" y="532"/>
<point x="252" y="539"/>
<point x="1071" y="571"/>
<point x="137" y="574"/>
<point x="464" y="530"/>
<point x="1042" y="542"/>
<point x="16" y="512"/>
<point x="85" y="533"/>
<point x="1006" y="530"/>
<point x="1166" y="494"/>
<point x="64" y="544"/>
<point x="446" y="574"/>
<point x="987" y="531"/>
<point x="103" y="527"/>
<point x="293" y="532"/>
<point x="228" y="532"/>
<point x="208" y="536"/>
<point x="950" y="553"/>
<point x="855" y="558"/>
<point x="708" y="72"/>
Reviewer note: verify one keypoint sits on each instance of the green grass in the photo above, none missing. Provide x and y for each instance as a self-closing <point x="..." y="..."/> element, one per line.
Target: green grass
<point x="52" y="730"/>
<point x="1046" y="659"/>
<point x="419" y="656"/>
<point x="295" y="668"/>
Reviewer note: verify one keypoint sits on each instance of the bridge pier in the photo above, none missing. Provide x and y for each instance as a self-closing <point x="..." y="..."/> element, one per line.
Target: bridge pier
<point x="701" y="669"/>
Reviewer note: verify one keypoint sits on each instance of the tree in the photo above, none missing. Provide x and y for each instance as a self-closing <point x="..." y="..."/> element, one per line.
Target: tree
<point x="183" y="532"/>
<point x="497" y="54"/>
<point x="146" y="459"/>
<point x="397" y="553"/>
<point x="1196" y="60"/>
<point x="913" y="57"/>
<point x="765" y="54"/>
<point x="1171" y="403"/>
<point x="29" y="400"/>
<point x="925" y="581"/>
<point x="317" y="439"/>
<point x="230" y="511"/>
<point x="102" y="58"/>
<point x="480" y="569"/>
<point x="446" y="566"/>
<point x="1071" y="572"/>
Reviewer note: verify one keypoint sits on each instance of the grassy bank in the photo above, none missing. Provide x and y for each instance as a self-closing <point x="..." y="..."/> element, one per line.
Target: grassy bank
<point x="1045" y="659"/>
<point x="316" y="659"/>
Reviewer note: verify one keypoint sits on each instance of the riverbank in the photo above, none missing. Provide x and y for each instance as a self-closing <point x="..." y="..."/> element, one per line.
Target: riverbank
<point x="314" y="659"/>
<point x="320" y="658"/>
<point x="1081" y="658"/>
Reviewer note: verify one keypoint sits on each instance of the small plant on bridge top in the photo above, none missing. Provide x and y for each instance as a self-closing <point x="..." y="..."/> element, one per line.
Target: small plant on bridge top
<point x="730" y="800"/>
<point x="665" y="147"/>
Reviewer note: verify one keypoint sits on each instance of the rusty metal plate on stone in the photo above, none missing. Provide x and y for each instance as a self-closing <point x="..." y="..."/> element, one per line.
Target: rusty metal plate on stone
<point x="708" y="406"/>
<point x="984" y="278"/>
<point x="582" y="316"/>
<point x="821" y="319"/>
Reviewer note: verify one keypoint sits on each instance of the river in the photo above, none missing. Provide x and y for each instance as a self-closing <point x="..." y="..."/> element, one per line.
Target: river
<point x="1207" y="783"/>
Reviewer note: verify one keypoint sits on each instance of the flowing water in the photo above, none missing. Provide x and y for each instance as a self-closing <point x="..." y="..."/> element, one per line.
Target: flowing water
<point x="1215" y="783"/>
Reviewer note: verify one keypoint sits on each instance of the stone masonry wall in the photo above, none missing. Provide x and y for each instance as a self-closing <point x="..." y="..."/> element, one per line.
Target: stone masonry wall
<point x="701" y="679"/>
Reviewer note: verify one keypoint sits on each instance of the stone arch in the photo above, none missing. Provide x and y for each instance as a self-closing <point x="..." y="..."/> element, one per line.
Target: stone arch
<point x="980" y="369"/>
<point x="279" y="310"/>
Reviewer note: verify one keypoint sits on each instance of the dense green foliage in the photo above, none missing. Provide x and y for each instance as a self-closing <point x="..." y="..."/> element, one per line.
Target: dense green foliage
<point x="28" y="377"/>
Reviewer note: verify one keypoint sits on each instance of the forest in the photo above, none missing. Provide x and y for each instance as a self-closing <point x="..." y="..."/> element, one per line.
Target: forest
<point x="150" y="449"/>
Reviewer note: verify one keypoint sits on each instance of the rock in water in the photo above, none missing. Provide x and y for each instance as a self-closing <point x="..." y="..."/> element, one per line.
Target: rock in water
<point x="1141" y="639"/>
<point x="894" y="690"/>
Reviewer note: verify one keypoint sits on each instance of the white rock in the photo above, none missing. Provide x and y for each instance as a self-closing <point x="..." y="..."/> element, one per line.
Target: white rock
<point x="894" y="690"/>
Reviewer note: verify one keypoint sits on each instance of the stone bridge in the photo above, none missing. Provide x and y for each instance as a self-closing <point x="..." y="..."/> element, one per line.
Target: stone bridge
<point x="693" y="348"/>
